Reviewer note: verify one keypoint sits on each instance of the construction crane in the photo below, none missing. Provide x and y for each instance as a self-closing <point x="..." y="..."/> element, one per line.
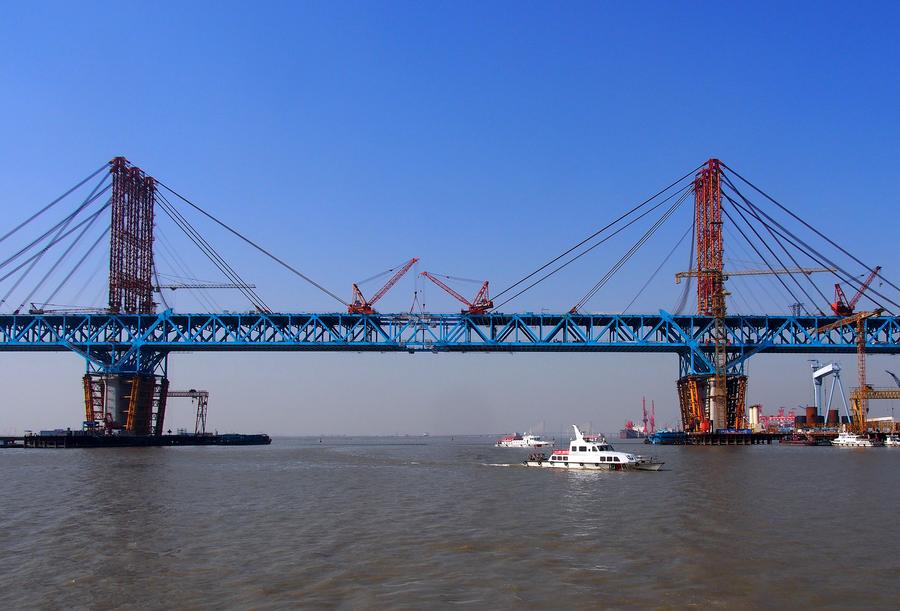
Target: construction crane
<point x="679" y="276"/>
<point x="359" y="304"/>
<point x="201" y="285"/>
<point x="860" y="402"/>
<point x="202" y="398"/>
<point x="842" y="307"/>
<point x="479" y="304"/>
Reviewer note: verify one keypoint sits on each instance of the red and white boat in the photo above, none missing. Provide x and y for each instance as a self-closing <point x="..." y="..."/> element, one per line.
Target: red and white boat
<point x="592" y="453"/>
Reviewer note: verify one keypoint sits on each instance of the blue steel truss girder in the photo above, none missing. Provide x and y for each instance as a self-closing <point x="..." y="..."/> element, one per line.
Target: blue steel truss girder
<point x="135" y="341"/>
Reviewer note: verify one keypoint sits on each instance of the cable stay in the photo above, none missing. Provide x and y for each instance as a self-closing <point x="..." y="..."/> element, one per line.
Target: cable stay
<point x="105" y="166"/>
<point x="630" y="253"/>
<point x="591" y="237"/>
<point x="682" y="192"/>
<point x="207" y="249"/>
<point x="60" y="225"/>
<point x="810" y="227"/>
<point x="252" y="243"/>
<point x="785" y="235"/>
<point x="657" y="270"/>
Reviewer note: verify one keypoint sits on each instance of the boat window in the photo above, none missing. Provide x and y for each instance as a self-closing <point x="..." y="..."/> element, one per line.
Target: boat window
<point x="565" y="458"/>
<point x="582" y="449"/>
<point x="616" y="459"/>
<point x="594" y="449"/>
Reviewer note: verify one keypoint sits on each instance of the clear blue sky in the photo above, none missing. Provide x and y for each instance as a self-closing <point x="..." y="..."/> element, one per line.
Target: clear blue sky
<point x="482" y="137"/>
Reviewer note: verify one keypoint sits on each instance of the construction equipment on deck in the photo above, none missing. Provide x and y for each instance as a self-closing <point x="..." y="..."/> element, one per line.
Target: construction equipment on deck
<point x="359" y="304"/>
<point x="842" y="307"/>
<point x="202" y="398"/>
<point x="860" y="403"/>
<point x="479" y="304"/>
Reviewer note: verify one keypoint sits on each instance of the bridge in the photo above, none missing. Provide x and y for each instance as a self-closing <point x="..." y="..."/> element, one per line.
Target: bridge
<point x="126" y="343"/>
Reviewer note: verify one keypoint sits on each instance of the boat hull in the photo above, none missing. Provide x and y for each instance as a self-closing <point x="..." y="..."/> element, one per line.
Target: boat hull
<point x="575" y="466"/>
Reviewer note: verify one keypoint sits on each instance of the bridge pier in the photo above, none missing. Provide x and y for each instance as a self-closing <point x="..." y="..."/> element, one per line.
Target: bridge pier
<point x="126" y="396"/>
<point x="697" y="398"/>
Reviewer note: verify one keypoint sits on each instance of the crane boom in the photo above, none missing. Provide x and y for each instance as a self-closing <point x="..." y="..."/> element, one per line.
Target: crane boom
<point x="479" y="305"/>
<point x="864" y="286"/>
<point x="202" y="285"/>
<point x="861" y="403"/>
<point x="757" y="272"/>
<point x="359" y="304"/>
<point x="841" y="306"/>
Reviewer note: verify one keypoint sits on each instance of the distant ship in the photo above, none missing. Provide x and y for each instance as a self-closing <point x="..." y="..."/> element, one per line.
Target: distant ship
<point x="632" y="432"/>
<point x="523" y="441"/>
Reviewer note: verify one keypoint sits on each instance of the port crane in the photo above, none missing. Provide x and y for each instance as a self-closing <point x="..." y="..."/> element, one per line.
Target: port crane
<point x="360" y="305"/>
<point x="859" y="398"/>
<point x="479" y="304"/>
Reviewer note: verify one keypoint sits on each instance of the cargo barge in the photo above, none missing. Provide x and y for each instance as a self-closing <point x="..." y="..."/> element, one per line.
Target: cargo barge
<point x="80" y="439"/>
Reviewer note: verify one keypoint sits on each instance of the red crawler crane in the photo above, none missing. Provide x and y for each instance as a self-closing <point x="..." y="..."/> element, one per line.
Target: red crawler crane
<point x="359" y="304"/>
<point x="480" y="304"/>
<point x="842" y="307"/>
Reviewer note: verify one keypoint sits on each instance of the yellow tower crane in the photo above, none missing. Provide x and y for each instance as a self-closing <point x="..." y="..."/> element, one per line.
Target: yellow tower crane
<point x="859" y="400"/>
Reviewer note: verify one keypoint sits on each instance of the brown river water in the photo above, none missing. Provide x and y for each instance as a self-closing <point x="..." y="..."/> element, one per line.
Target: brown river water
<point x="446" y="523"/>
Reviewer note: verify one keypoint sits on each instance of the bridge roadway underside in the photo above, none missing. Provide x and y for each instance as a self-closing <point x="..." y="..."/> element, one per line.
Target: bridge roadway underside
<point x="137" y="342"/>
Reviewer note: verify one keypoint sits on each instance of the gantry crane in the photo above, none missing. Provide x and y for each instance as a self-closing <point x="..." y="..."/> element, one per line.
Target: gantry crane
<point x="480" y="304"/>
<point x="842" y="307"/>
<point x="202" y="398"/>
<point x="859" y="399"/>
<point x="359" y="304"/>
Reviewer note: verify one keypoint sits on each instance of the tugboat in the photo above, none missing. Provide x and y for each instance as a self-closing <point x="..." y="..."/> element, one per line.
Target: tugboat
<point x="594" y="454"/>
<point x="523" y="441"/>
<point x="803" y="439"/>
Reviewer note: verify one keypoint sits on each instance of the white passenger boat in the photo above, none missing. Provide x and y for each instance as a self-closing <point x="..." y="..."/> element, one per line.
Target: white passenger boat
<point x="523" y="441"/>
<point x="592" y="454"/>
<point x="892" y="441"/>
<point x="851" y="440"/>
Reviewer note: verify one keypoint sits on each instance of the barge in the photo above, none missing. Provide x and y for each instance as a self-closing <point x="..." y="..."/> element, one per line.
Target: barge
<point x="81" y="439"/>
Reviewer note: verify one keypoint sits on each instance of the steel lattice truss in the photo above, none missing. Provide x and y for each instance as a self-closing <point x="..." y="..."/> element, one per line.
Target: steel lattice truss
<point x="139" y="342"/>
